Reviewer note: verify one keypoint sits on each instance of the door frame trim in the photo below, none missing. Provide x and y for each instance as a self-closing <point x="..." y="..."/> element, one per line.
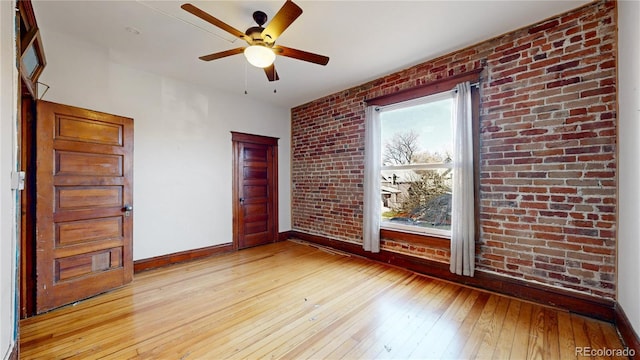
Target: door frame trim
<point x="236" y="139"/>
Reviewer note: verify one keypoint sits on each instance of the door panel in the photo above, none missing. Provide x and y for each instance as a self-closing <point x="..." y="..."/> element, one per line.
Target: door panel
<point x="74" y="232"/>
<point x="86" y="130"/>
<point x="88" y="196"/>
<point x="74" y="163"/>
<point x="255" y="190"/>
<point x="83" y="182"/>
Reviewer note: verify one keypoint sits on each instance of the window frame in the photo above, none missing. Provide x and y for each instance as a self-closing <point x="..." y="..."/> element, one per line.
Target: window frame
<point x="445" y="95"/>
<point x="30" y="48"/>
<point x="432" y="88"/>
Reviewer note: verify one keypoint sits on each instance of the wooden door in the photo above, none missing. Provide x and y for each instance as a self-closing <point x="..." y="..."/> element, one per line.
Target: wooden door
<point x="255" y="203"/>
<point x="83" y="185"/>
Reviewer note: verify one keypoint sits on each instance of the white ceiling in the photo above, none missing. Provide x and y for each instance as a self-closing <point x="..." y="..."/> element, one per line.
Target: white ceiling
<point x="364" y="39"/>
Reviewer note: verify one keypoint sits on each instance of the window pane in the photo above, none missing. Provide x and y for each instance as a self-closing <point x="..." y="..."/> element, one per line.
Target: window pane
<point x="417" y="134"/>
<point x="418" y="199"/>
<point x="30" y="59"/>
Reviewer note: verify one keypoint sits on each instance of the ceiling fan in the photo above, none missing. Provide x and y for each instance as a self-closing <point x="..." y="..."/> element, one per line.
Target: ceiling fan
<point x="262" y="50"/>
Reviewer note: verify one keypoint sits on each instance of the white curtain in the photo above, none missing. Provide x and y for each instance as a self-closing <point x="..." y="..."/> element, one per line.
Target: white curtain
<point x="372" y="197"/>
<point x="462" y="208"/>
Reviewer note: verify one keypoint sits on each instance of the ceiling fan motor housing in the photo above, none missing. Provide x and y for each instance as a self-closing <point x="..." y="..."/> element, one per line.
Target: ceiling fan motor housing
<point x="255" y="33"/>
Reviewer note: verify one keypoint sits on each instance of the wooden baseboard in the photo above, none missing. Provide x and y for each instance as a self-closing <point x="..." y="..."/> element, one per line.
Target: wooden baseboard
<point x="591" y="306"/>
<point x="169" y="259"/>
<point x="188" y="255"/>
<point x="628" y="334"/>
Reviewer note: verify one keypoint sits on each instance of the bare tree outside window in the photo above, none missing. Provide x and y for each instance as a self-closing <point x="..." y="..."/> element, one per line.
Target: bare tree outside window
<point x="423" y="196"/>
<point x="401" y="149"/>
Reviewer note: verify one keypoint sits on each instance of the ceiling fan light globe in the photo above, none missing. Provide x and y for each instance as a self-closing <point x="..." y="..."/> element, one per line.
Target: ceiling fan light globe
<point x="259" y="56"/>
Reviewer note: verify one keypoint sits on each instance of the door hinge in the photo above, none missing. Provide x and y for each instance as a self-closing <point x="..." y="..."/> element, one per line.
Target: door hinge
<point x="17" y="180"/>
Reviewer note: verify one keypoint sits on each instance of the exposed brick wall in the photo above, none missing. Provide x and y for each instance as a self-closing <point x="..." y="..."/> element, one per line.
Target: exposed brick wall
<point x="431" y="253"/>
<point x="548" y="157"/>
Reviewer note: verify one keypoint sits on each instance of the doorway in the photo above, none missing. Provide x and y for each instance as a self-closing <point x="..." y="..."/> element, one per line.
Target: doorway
<point x="255" y="190"/>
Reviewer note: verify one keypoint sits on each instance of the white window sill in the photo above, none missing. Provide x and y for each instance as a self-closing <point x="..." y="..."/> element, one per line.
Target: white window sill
<point x="446" y="234"/>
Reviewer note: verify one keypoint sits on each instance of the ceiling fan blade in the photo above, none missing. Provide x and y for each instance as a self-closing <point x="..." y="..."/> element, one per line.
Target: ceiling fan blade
<point x="212" y="20"/>
<point x="301" y="55"/>
<point x="287" y="14"/>
<point x="271" y="72"/>
<point x="221" y="54"/>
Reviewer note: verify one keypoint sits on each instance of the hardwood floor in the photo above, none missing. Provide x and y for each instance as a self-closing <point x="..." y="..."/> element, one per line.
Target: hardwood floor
<point x="291" y="300"/>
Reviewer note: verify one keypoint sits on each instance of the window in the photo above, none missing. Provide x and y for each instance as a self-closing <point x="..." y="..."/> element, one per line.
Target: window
<point x="420" y="198"/>
<point x="32" y="60"/>
<point x="416" y="158"/>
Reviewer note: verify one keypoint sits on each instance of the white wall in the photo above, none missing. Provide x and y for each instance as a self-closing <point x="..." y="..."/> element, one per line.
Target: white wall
<point x="629" y="163"/>
<point x="182" y="143"/>
<point x="8" y="98"/>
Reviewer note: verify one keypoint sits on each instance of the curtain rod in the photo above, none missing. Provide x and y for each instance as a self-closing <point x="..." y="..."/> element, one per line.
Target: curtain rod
<point x="432" y="87"/>
<point x="454" y="90"/>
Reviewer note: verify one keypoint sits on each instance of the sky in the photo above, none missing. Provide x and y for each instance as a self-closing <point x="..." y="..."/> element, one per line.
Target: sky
<point x="430" y="120"/>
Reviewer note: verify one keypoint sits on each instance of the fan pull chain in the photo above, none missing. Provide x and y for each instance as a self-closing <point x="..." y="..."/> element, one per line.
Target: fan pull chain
<point x="245" y="78"/>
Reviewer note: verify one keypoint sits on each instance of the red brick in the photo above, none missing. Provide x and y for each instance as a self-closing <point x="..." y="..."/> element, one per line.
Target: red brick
<point x="543" y="63"/>
<point x="598" y="91"/>
<point x="562" y="82"/>
<point x="529" y="74"/>
<point x="546" y="26"/>
<point x="563" y="66"/>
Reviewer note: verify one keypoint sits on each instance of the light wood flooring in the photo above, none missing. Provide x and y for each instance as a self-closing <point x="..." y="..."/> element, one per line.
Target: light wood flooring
<point x="294" y="301"/>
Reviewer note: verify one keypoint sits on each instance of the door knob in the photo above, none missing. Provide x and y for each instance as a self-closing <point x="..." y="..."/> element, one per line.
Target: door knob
<point x="127" y="210"/>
